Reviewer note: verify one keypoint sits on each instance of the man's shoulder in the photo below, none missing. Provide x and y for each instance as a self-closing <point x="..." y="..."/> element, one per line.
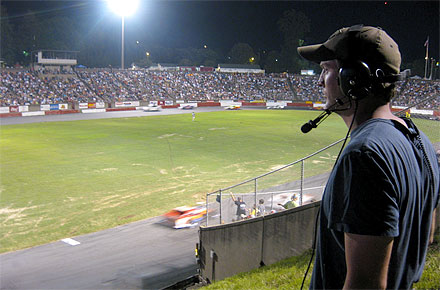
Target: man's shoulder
<point x="376" y="132"/>
<point x="374" y="124"/>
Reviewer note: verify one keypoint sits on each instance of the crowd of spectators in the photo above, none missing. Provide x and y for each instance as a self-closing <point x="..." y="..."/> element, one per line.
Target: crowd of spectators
<point x="414" y="91"/>
<point x="24" y="87"/>
<point x="307" y="88"/>
<point x="46" y="86"/>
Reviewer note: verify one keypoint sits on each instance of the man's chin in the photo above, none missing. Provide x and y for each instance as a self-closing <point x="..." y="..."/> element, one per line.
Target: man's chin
<point x="328" y="105"/>
<point x="340" y="103"/>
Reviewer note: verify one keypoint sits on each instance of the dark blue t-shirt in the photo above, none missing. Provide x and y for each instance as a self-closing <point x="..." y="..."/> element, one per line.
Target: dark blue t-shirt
<point x="380" y="186"/>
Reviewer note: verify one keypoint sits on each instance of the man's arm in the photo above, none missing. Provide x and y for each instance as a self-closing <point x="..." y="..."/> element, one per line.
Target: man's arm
<point x="367" y="259"/>
<point x="431" y="235"/>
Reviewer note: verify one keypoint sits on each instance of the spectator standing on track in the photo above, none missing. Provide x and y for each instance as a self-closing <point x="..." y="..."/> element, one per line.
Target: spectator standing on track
<point x="292" y="203"/>
<point x="261" y="208"/>
<point x="253" y="211"/>
<point x="241" y="207"/>
<point x="377" y="207"/>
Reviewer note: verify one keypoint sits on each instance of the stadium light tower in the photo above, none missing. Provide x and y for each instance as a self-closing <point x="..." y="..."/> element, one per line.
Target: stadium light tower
<point x="123" y="8"/>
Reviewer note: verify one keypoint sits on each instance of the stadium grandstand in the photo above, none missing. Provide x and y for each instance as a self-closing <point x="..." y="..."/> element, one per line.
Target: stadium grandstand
<point x="68" y="85"/>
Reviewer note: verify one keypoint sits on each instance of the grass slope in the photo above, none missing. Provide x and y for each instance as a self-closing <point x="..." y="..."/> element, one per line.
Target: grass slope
<point x="61" y="179"/>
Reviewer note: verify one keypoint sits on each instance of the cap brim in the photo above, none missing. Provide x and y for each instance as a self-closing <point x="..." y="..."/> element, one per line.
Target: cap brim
<point x="316" y="53"/>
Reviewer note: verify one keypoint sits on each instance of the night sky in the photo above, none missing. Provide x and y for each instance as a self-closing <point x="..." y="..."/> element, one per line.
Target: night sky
<point x="221" y="24"/>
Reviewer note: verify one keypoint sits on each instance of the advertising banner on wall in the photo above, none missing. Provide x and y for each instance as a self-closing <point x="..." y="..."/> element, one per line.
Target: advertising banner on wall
<point x="4" y="110"/>
<point x="54" y="107"/>
<point x="83" y="105"/>
<point x="91" y="106"/>
<point x="36" y="113"/>
<point x="45" y="107"/>
<point x="13" y="109"/>
<point x="23" y="108"/>
<point x="63" y="106"/>
<point x="169" y="103"/>
<point x="421" y="112"/>
<point x="225" y="103"/>
<point x="100" y="105"/>
<point x="127" y="104"/>
<point x="318" y="105"/>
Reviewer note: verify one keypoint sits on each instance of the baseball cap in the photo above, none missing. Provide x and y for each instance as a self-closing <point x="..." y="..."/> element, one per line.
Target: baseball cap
<point x="371" y="45"/>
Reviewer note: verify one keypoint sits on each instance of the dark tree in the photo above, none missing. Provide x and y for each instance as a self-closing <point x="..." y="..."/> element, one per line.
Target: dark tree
<point x="273" y="62"/>
<point x="294" y="26"/>
<point x="7" y="49"/>
<point x="241" y="53"/>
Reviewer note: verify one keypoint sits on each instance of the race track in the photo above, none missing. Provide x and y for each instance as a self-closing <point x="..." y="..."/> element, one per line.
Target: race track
<point x="139" y="255"/>
<point x="106" y="115"/>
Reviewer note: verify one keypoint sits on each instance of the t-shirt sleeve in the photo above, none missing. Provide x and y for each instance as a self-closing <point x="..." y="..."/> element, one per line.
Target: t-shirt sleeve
<point x="365" y="201"/>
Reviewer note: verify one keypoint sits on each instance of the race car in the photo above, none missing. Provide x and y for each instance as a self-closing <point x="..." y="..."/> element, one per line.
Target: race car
<point x="185" y="216"/>
<point x="152" y="108"/>
<point x="187" y="107"/>
<point x="275" y="107"/>
<point x="233" y="107"/>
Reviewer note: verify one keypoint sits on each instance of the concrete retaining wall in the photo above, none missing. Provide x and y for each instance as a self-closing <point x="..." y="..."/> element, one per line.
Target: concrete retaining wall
<point x="226" y="250"/>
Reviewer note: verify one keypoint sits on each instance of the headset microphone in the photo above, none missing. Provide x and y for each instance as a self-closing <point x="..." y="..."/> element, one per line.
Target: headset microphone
<point x="307" y="127"/>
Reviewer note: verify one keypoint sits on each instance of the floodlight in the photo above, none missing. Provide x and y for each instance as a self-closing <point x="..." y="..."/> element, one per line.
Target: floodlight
<point x="123" y="7"/>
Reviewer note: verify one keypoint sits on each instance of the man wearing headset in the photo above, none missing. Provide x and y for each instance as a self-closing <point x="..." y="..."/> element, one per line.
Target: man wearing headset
<point x="379" y="202"/>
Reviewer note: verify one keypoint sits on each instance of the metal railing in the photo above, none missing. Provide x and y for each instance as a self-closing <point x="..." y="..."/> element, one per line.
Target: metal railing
<point x="277" y="190"/>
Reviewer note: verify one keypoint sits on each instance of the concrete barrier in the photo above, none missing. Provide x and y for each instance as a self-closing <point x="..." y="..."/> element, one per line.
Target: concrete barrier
<point x="289" y="233"/>
<point x="61" y="112"/>
<point x="306" y="105"/>
<point x="119" y="109"/>
<point x="209" y="104"/>
<point x="36" y="113"/>
<point x="91" y="111"/>
<point x="5" y="115"/>
<point x="226" y="250"/>
<point x="253" y="104"/>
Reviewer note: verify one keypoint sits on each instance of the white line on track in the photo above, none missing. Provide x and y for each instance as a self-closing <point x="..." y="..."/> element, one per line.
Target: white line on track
<point x="71" y="242"/>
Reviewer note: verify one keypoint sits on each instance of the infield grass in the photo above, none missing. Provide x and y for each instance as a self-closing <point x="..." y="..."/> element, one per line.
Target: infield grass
<point x="62" y="179"/>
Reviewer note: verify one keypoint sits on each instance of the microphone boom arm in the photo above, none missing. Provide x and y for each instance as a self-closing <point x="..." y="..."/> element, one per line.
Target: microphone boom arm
<point x="314" y="123"/>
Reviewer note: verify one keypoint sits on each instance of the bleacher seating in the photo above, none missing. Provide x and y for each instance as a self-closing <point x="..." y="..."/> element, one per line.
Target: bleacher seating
<point x="44" y="86"/>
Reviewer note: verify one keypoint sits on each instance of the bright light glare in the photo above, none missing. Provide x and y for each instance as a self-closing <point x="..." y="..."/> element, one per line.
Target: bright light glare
<point x="123" y="7"/>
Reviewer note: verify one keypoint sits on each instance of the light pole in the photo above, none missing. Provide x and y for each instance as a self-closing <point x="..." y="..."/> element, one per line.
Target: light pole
<point x="122" y="42"/>
<point x="432" y="67"/>
<point x="123" y="8"/>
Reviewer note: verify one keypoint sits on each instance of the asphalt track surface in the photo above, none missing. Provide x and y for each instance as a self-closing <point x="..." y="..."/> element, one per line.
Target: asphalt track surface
<point x="140" y="255"/>
<point x="106" y="115"/>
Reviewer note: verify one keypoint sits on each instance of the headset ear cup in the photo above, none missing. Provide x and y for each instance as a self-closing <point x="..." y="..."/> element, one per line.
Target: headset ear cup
<point x="355" y="80"/>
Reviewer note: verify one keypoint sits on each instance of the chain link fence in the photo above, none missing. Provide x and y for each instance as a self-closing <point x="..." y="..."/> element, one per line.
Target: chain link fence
<point x="267" y="193"/>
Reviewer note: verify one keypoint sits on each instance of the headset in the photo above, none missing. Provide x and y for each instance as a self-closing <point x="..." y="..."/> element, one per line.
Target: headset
<point x="357" y="82"/>
<point x="356" y="79"/>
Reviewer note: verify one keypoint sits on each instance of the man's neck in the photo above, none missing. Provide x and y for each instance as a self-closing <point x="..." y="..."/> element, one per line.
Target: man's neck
<point x="365" y="113"/>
